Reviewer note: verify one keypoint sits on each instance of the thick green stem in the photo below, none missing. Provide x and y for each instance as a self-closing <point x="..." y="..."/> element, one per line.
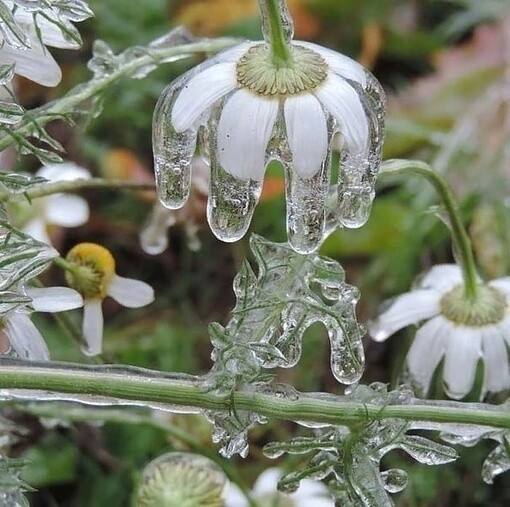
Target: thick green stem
<point x="35" y="119"/>
<point x="460" y="236"/>
<point x="145" y="386"/>
<point x="274" y="17"/>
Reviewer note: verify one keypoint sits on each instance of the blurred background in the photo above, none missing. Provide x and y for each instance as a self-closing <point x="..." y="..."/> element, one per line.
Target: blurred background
<point x="445" y="65"/>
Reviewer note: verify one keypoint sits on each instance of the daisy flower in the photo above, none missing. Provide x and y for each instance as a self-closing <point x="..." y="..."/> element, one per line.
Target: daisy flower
<point x="455" y="329"/>
<point x="246" y="107"/>
<point x="21" y="333"/>
<point x="265" y="494"/>
<point x="91" y="271"/>
<point x="28" y="29"/>
<point x="63" y="210"/>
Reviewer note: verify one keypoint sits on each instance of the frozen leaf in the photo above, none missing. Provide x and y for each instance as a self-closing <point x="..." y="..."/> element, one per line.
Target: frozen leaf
<point x="497" y="462"/>
<point x="427" y="451"/>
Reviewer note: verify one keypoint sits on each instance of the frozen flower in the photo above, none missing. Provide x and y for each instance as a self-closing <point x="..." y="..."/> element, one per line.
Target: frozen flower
<point x="64" y="210"/>
<point x="460" y="330"/>
<point x="264" y="493"/>
<point x="22" y="334"/>
<point x="246" y="110"/>
<point x="91" y="271"/>
<point x="28" y="27"/>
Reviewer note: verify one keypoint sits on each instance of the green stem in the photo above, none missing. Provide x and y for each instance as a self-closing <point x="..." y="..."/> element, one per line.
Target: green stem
<point x="57" y="187"/>
<point x="460" y="236"/>
<point x="138" y="385"/>
<point x="274" y="16"/>
<point x="35" y="119"/>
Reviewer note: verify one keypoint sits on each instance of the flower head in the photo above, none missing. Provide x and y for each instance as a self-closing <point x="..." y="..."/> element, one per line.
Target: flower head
<point x="266" y="495"/>
<point x="246" y="110"/>
<point x="21" y="333"/>
<point x="28" y="27"/>
<point x="63" y="210"/>
<point x="463" y="331"/>
<point x="91" y="271"/>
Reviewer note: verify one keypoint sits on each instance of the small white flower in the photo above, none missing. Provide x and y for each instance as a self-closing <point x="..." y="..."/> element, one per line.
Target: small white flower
<point x="454" y="328"/>
<point x="30" y="57"/>
<point x="92" y="274"/>
<point x="309" y="494"/>
<point x="23" y="335"/>
<point x="64" y="210"/>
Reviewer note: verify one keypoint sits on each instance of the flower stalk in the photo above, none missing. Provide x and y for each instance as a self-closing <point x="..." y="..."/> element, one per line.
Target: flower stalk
<point x="460" y="236"/>
<point x="185" y="391"/>
<point x="277" y="28"/>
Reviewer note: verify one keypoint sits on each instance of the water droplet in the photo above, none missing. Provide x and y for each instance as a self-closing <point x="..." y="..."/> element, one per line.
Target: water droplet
<point x="394" y="480"/>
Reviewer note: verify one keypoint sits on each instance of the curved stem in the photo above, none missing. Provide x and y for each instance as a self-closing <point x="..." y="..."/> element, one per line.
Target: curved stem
<point x="136" y="386"/>
<point x="460" y="236"/>
<point x="274" y="18"/>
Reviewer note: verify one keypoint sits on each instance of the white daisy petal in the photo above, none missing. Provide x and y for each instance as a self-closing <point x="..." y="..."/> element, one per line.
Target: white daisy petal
<point x="462" y="355"/>
<point x="129" y="292"/>
<point x="37" y="229"/>
<point x="200" y="93"/>
<point x="25" y="338"/>
<point x="267" y="482"/>
<point x="66" y="171"/>
<point x="66" y="210"/>
<point x="496" y="366"/>
<point x="307" y="132"/>
<point x="427" y="350"/>
<point x="233" y="497"/>
<point x="34" y="63"/>
<point x="341" y="100"/>
<point x="442" y="278"/>
<point x="92" y="327"/>
<point x="409" y="308"/>
<point x="233" y="54"/>
<point x="54" y="299"/>
<point x="312" y="490"/>
<point x="244" y="131"/>
<point x="504" y="326"/>
<point x="340" y="64"/>
<point x="503" y="284"/>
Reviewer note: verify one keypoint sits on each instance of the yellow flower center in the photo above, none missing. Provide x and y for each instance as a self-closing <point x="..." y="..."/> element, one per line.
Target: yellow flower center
<point x="93" y="267"/>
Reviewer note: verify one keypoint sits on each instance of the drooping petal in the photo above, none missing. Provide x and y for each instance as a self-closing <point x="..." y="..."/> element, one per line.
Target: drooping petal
<point x="462" y="354"/>
<point x="496" y="366"/>
<point x="504" y="326"/>
<point x="92" y="327"/>
<point x="66" y="210"/>
<point x="67" y="171"/>
<point x="428" y="348"/>
<point x="409" y="308"/>
<point x="307" y="132"/>
<point x="341" y="100"/>
<point x="25" y="338"/>
<point x="234" y="497"/>
<point x="233" y="54"/>
<point x="37" y="229"/>
<point x="266" y="482"/>
<point x="503" y="284"/>
<point x="200" y="93"/>
<point x="442" y="278"/>
<point x="35" y="63"/>
<point x="342" y="65"/>
<point x="129" y="292"/>
<point x="54" y="299"/>
<point x="244" y="130"/>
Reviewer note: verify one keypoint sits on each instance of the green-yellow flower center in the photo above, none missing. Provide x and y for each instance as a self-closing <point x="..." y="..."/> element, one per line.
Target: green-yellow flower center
<point x="257" y="72"/>
<point x="91" y="269"/>
<point x="487" y="309"/>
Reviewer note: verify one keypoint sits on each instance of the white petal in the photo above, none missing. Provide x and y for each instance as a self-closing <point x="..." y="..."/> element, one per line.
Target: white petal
<point x="92" y="327"/>
<point x="25" y="338"/>
<point x="496" y="366"/>
<point x="67" y="171"/>
<point x="427" y="350"/>
<point x="233" y="54"/>
<point x="267" y="482"/>
<point x="234" y="497"/>
<point x="504" y="326"/>
<point x="34" y="63"/>
<point x="340" y="64"/>
<point x="341" y="100"/>
<point x="462" y="355"/>
<point x="201" y="92"/>
<point x="503" y="284"/>
<point x="37" y="229"/>
<point x="312" y="490"/>
<point x="54" y="299"/>
<point x="307" y="132"/>
<point x="409" y="308"/>
<point x="442" y="278"/>
<point x="129" y="292"/>
<point x="66" y="210"/>
<point x="244" y="131"/>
